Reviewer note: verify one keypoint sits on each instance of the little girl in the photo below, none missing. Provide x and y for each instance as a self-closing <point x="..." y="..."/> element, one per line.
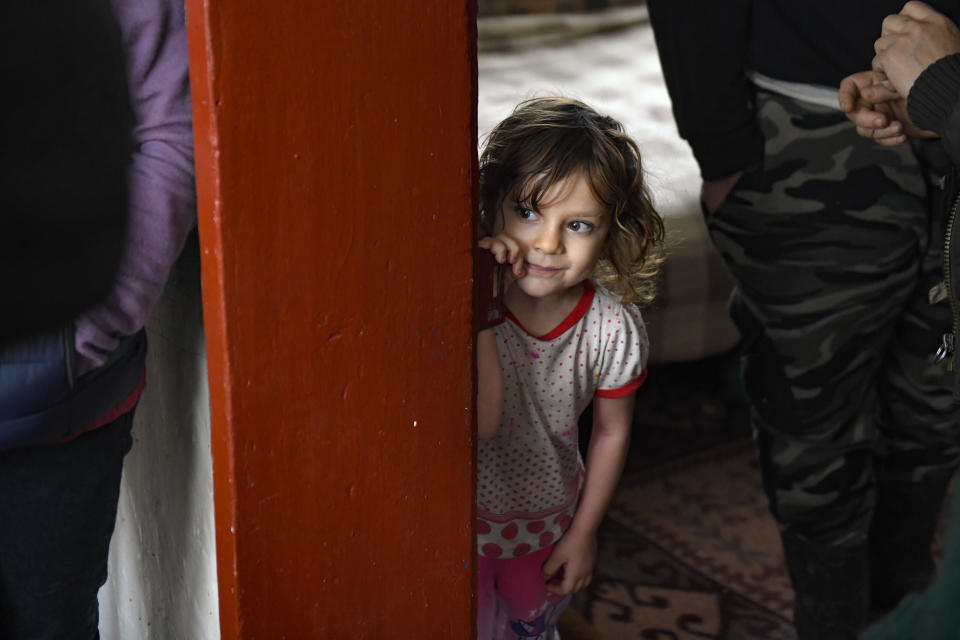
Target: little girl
<point x="562" y="188"/>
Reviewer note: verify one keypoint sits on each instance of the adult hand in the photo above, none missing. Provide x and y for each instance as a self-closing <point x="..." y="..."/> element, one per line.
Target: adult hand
<point x="570" y="566"/>
<point x="910" y="41"/>
<point x="714" y="192"/>
<point x="877" y="111"/>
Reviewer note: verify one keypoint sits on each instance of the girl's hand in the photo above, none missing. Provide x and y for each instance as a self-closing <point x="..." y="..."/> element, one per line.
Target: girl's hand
<point x="506" y="250"/>
<point x="570" y="567"/>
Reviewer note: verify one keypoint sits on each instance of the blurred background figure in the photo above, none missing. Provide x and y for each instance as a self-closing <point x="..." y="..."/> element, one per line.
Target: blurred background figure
<point x="64" y="151"/>
<point x="103" y="178"/>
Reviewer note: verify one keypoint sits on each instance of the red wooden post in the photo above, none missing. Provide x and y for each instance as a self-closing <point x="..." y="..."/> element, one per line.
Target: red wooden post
<point x="335" y="170"/>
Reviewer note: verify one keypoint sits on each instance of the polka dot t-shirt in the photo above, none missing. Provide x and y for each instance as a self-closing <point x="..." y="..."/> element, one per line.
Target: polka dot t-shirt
<point x="529" y="475"/>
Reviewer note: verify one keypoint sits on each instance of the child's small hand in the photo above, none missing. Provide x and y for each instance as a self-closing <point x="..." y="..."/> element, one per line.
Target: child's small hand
<point x="570" y="567"/>
<point x="506" y="250"/>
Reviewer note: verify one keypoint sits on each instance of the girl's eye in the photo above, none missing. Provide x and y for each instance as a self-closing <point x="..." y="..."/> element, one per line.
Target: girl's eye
<point x="526" y="213"/>
<point x="579" y="226"/>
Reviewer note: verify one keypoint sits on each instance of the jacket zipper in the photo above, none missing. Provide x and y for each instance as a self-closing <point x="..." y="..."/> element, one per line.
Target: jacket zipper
<point x="948" y="342"/>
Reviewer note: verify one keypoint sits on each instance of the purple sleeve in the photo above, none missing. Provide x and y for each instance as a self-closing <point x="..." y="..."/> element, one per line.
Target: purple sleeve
<point x="162" y="206"/>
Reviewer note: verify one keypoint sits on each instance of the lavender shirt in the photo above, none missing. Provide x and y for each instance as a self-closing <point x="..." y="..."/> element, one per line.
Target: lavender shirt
<point x="162" y="205"/>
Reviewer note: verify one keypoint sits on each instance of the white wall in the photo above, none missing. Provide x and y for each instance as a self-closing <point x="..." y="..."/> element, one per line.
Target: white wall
<point x="162" y="571"/>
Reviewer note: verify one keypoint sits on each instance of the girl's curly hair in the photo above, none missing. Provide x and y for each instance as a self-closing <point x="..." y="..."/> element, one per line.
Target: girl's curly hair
<point x="548" y="139"/>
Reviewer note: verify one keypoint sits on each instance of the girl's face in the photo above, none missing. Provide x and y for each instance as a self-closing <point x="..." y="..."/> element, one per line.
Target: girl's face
<point x="561" y="241"/>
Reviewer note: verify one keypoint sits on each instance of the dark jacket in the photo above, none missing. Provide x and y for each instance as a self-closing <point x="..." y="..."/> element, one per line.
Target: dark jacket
<point x="934" y="104"/>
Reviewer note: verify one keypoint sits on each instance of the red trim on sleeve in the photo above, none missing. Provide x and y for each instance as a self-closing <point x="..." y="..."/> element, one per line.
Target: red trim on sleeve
<point x="583" y="305"/>
<point x="625" y="390"/>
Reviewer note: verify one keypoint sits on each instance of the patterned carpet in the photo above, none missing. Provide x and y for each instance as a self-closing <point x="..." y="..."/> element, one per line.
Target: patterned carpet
<point x="688" y="549"/>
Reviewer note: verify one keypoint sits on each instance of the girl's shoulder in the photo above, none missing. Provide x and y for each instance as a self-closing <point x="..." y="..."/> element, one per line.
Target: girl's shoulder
<point x="621" y="336"/>
<point x="617" y="319"/>
<point x="605" y="303"/>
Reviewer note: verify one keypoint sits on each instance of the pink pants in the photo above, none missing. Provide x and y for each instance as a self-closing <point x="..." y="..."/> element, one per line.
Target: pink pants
<point x="512" y="599"/>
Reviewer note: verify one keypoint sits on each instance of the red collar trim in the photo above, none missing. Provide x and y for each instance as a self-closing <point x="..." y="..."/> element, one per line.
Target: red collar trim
<point x="583" y="305"/>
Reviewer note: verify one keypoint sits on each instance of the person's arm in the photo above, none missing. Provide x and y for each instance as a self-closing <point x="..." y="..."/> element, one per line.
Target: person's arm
<point x="703" y="52"/>
<point x="934" y="102"/>
<point x="576" y="552"/>
<point x="161" y="186"/>
<point x="489" y="385"/>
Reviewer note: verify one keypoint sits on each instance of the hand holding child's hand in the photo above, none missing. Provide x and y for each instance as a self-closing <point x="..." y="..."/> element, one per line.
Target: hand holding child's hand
<point x="878" y="111"/>
<point x="570" y="567"/>
<point x="506" y="250"/>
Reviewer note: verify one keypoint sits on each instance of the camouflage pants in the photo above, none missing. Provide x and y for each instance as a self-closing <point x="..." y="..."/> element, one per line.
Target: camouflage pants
<point x="833" y="248"/>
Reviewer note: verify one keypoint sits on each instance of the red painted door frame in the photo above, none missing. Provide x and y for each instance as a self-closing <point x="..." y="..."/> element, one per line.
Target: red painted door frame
<point x="336" y="163"/>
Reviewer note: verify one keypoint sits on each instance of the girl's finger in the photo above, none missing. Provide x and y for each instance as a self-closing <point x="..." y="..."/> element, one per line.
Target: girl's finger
<point x="550" y="568"/>
<point x="518" y="269"/>
<point x="493" y="246"/>
<point x="513" y="249"/>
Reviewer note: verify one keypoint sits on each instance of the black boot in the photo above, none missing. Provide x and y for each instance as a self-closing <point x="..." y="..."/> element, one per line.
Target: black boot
<point x="830" y="587"/>
<point x="904" y="522"/>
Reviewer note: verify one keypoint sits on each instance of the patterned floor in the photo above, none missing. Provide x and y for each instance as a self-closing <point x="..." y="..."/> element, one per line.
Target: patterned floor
<point x="690" y="551"/>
